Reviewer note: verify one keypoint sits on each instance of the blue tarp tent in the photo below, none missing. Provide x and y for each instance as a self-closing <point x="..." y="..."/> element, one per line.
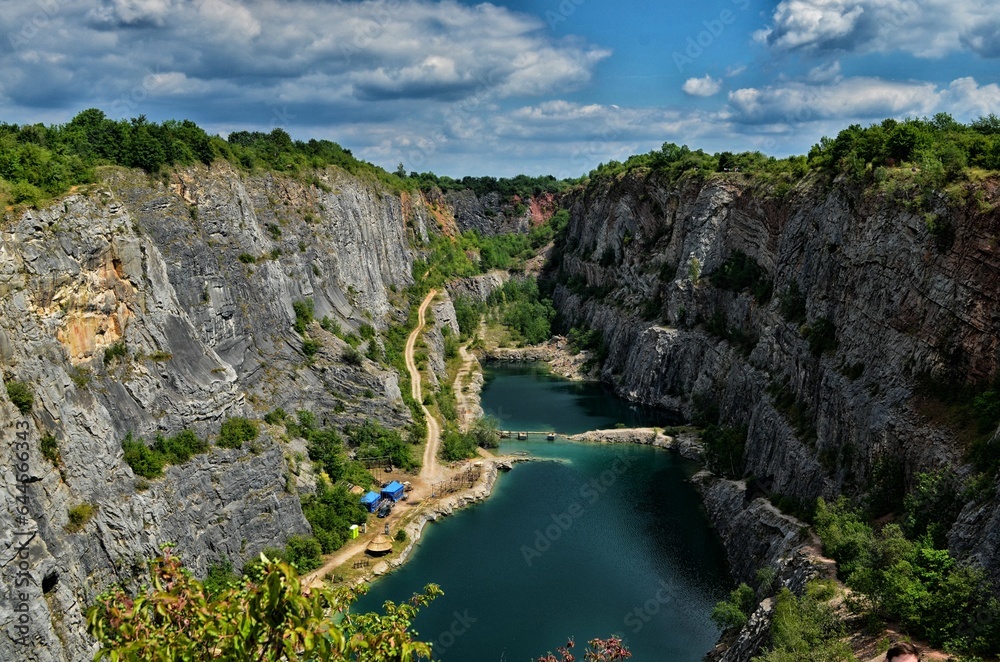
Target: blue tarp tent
<point x="370" y="501"/>
<point x="393" y="490"/>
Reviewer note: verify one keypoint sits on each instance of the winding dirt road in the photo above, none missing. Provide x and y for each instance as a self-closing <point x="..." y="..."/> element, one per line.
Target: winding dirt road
<point x="430" y="469"/>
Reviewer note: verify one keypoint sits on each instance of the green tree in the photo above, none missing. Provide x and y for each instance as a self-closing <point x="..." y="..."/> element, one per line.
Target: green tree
<point x="268" y="619"/>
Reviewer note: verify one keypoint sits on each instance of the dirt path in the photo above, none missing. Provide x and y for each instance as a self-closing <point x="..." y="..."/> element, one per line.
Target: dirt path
<point x="468" y="406"/>
<point x="429" y="470"/>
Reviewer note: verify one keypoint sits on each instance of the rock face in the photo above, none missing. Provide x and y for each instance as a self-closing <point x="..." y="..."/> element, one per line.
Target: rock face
<point x="902" y="304"/>
<point x="478" y="288"/>
<point x="144" y="306"/>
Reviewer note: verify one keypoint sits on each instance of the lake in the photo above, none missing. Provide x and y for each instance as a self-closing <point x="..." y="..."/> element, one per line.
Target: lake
<point x="592" y="541"/>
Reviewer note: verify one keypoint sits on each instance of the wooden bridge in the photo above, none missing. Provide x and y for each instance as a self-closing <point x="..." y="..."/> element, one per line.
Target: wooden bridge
<point x="523" y="435"/>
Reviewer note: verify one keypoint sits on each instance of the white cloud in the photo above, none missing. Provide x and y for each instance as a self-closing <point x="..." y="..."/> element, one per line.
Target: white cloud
<point x="705" y="86"/>
<point x="928" y="28"/>
<point x="858" y="99"/>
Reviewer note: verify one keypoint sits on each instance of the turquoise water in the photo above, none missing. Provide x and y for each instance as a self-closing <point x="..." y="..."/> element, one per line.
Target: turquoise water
<point x="600" y="540"/>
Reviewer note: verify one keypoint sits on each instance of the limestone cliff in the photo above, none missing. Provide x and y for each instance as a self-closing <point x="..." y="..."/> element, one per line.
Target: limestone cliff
<point x="145" y="305"/>
<point x="902" y="303"/>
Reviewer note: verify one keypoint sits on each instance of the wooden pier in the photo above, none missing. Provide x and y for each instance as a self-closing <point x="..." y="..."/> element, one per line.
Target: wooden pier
<point x="523" y="435"/>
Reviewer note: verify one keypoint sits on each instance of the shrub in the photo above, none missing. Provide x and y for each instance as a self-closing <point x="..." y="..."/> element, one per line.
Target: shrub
<point x="79" y="515"/>
<point x="20" y="396"/>
<point x="310" y="347"/>
<point x="247" y="258"/>
<point x="401" y="535"/>
<point x="304" y="311"/>
<point x="115" y="352"/>
<point x="144" y="461"/>
<point x="275" y="416"/>
<point x="352" y="356"/>
<point x="330" y="325"/>
<point x="236" y="431"/>
<point x="50" y="448"/>
<point x="180" y="447"/>
<point x="734" y="611"/>
<point x="304" y="552"/>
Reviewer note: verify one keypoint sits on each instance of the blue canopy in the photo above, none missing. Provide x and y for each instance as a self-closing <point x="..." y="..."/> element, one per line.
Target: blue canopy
<point x="393" y="490"/>
<point x="369" y="500"/>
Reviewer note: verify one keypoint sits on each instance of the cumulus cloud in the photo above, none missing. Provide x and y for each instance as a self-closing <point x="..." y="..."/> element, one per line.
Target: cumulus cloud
<point x="705" y="86"/>
<point x="301" y="52"/>
<point x="928" y="28"/>
<point x="856" y="99"/>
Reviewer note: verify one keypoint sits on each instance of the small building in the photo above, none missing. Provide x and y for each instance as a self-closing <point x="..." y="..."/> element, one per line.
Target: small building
<point x="393" y="490"/>
<point x="370" y="501"/>
<point x="353" y="531"/>
<point x="382" y="544"/>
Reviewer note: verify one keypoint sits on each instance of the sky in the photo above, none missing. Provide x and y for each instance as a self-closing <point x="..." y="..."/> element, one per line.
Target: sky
<point x="505" y="87"/>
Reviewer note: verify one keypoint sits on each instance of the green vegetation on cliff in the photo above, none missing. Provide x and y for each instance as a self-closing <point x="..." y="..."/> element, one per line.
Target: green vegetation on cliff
<point x="38" y="162"/>
<point x="902" y="574"/>
<point x="941" y="149"/>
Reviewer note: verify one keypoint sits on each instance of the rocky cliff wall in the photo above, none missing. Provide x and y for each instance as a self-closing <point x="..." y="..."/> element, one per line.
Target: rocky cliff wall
<point x="189" y="281"/>
<point x="637" y="264"/>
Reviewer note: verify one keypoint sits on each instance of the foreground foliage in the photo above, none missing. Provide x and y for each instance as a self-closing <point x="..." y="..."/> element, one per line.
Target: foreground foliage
<point x="807" y="627"/>
<point x="269" y="618"/>
<point x="599" y="650"/>
<point x="911" y="582"/>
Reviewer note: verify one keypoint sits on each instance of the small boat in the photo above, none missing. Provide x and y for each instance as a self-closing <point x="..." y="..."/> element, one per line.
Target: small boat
<point x="551" y="436"/>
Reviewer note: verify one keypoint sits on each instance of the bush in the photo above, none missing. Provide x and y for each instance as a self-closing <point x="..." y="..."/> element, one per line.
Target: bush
<point x="50" y="448"/>
<point x="247" y="258"/>
<point x="304" y="552"/>
<point x="806" y="628"/>
<point x="180" y="447"/>
<point x="144" y="461"/>
<point x="275" y="416"/>
<point x="401" y="535"/>
<point x="330" y="325"/>
<point x="115" y="352"/>
<point x="304" y="311"/>
<point x="734" y="611"/>
<point x="20" y="396"/>
<point x="79" y="515"/>
<point x="330" y="512"/>
<point x="236" y="431"/>
<point x="352" y="356"/>
<point x="310" y="347"/>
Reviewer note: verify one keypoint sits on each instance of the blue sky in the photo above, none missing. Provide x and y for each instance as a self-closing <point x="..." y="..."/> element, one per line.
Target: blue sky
<point x="532" y="86"/>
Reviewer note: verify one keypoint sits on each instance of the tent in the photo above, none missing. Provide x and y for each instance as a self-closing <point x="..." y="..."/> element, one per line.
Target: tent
<point x="370" y="501"/>
<point x="393" y="490"/>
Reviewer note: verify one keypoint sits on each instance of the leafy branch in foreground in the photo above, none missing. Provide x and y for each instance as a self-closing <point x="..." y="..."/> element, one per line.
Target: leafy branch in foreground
<point x="268" y="618"/>
<point x="600" y="650"/>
